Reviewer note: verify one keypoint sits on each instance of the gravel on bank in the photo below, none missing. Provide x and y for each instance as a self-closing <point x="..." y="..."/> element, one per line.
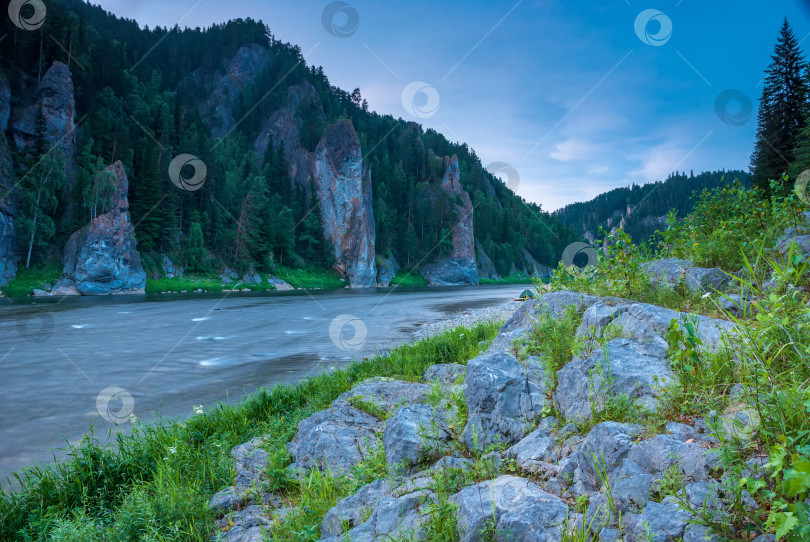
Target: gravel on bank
<point x="467" y="318"/>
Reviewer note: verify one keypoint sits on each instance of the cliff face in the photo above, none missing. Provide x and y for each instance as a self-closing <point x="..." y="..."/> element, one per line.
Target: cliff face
<point x="343" y="183"/>
<point x="8" y="201"/>
<point x="55" y="99"/>
<point x="244" y="67"/>
<point x="101" y="258"/>
<point x="460" y="267"/>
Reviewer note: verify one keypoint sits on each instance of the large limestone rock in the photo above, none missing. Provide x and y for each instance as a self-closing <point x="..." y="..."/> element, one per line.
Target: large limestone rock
<point x="343" y="182"/>
<point x="101" y="258"/>
<point x="337" y="438"/>
<point x="8" y="200"/>
<point x="503" y="395"/>
<point x="412" y="435"/>
<point x="649" y="323"/>
<point x="512" y="508"/>
<point x="672" y="272"/>
<point x="55" y="99"/>
<point x="460" y="267"/>
<point x="635" y="370"/>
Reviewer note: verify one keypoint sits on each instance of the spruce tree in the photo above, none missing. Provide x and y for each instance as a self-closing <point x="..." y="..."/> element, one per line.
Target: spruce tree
<point x="782" y="111"/>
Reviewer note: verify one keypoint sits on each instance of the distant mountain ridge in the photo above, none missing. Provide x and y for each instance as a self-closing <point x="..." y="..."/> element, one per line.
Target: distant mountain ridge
<point x="642" y="209"/>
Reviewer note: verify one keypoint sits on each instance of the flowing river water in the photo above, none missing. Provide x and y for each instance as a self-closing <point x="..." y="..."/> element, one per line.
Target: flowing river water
<point x="68" y="363"/>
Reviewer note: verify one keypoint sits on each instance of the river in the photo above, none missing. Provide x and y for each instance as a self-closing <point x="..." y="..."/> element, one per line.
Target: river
<point x="68" y="363"/>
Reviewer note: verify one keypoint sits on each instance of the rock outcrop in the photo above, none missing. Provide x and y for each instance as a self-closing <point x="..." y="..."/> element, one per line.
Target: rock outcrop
<point x="343" y="182"/>
<point x="54" y="100"/>
<point x="672" y="272"/>
<point x="101" y="258"/>
<point x="460" y="266"/>
<point x="8" y="200"/>
<point x="387" y="269"/>
<point x="486" y="269"/>
<point x="242" y="70"/>
<point x="553" y="477"/>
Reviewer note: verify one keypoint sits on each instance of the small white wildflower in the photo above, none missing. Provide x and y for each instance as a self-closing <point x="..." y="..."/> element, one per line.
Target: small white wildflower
<point x="198" y="409"/>
<point x="707" y="294"/>
<point x="172" y="450"/>
<point x="165" y="459"/>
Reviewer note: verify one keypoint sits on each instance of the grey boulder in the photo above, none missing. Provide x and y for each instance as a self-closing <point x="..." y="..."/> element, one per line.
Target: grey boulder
<point x="502" y="396"/>
<point x="413" y="434"/>
<point x="337" y="438"/>
<point x="510" y="508"/>
<point x="629" y="368"/>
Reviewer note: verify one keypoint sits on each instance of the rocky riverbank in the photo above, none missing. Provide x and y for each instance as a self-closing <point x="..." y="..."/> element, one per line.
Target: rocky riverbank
<point x="496" y="464"/>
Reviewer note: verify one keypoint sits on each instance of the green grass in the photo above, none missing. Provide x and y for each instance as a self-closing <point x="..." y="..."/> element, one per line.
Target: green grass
<point x="206" y="283"/>
<point x="516" y="278"/>
<point x="27" y="280"/>
<point x="154" y="484"/>
<point x="311" y="278"/>
<point x="409" y="279"/>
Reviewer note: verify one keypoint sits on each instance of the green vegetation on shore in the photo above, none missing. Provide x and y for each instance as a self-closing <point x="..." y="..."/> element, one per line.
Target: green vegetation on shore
<point x="741" y="231"/>
<point x="155" y="483"/>
<point x="516" y="278"/>
<point x="311" y="278"/>
<point x="30" y="279"/>
<point x="409" y="279"/>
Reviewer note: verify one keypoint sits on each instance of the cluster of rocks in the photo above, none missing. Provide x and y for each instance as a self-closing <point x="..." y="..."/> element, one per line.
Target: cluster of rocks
<point x="546" y="474"/>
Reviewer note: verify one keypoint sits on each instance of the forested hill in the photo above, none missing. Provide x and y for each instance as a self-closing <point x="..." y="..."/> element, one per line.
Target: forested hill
<point x="278" y="142"/>
<point x="642" y="209"/>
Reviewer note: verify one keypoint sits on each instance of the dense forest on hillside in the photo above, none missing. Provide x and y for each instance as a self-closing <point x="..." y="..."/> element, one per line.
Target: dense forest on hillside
<point x="139" y="93"/>
<point x="641" y="209"/>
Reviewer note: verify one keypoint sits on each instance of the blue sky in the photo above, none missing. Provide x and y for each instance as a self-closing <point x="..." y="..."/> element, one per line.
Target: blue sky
<point x="578" y="97"/>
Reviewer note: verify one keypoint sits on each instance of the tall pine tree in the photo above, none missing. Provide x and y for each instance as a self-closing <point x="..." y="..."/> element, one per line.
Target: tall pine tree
<point x="782" y="111"/>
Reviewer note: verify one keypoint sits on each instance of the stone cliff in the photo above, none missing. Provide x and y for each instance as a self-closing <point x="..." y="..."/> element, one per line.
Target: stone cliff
<point x="8" y="201"/>
<point x="54" y="98"/>
<point x="101" y="258"/>
<point x="343" y="183"/>
<point x="460" y="266"/>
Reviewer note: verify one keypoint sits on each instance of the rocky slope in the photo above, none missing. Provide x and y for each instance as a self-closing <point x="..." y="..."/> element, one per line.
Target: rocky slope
<point x="460" y="266"/>
<point x="542" y="468"/>
<point x="101" y="258"/>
